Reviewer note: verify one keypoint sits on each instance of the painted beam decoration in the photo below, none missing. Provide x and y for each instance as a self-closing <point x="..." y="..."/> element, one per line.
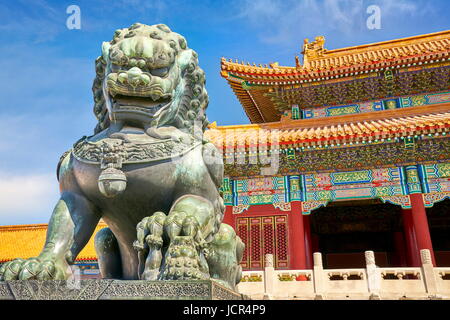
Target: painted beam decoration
<point x="391" y="185"/>
<point x="270" y="190"/>
<point x="362" y="184"/>
<point x="351" y="156"/>
<point x="376" y="86"/>
<point x="429" y="199"/>
<point x="377" y="105"/>
<point x="435" y="177"/>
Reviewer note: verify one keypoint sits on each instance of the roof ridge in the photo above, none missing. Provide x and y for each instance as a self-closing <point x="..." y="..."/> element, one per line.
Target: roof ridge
<point x="30" y="226"/>
<point x="315" y="52"/>
<point x="23" y="226"/>
<point x="425" y="37"/>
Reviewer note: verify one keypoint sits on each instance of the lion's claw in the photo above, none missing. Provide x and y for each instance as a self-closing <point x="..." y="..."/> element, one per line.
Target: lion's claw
<point x="154" y="240"/>
<point x="31" y="269"/>
<point x="138" y="246"/>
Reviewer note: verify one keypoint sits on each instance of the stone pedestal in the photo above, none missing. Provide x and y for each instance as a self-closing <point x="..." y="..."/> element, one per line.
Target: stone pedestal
<point x="116" y="289"/>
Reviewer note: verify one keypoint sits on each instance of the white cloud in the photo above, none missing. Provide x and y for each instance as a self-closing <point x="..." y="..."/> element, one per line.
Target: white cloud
<point x="282" y="21"/>
<point x="26" y="199"/>
<point x="44" y="108"/>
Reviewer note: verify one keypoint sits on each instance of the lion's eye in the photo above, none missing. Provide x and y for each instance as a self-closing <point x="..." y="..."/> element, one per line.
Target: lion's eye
<point x="160" y="72"/>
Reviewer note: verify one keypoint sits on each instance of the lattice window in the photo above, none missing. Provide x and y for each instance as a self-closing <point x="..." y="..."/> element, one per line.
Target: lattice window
<point x="242" y="231"/>
<point x="268" y="236"/>
<point x="256" y="258"/>
<point x="281" y="257"/>
<point x="261" y="236"/>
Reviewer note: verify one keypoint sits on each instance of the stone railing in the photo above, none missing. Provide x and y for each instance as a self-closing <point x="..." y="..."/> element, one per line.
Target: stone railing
<point x="372" y="282"/>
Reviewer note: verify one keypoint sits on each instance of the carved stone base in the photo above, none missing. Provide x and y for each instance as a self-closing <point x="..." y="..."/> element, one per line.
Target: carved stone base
<point x="116" y="289"/>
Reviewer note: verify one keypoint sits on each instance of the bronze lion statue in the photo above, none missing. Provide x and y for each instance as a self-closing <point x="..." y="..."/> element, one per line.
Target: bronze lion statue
<point x="147" y="172"/>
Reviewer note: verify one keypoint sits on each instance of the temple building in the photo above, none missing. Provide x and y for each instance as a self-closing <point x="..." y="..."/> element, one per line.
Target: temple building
<point x="347" y="151"/>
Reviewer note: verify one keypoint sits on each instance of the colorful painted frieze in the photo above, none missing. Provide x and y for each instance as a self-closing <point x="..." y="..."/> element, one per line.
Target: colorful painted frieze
<point x="435" y="177"/>
<point x="377" y="105"/>
<point x="353" y="158"/>
<point x="424" y="99"/>
<point x="267" y="190"/>
<point x="354" y="184"/>
<point x="393" y="185"/>
<point x="342" y="110"/>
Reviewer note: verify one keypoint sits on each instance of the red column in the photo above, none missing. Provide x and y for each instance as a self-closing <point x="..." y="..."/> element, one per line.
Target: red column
<point x="420" y="222"/>
<point x="296" y="237"/>
<point x="400" y="249"/>
<point x="308" y="242"/>
<point x="228" y="217"/>
<point x="413" y="256"/>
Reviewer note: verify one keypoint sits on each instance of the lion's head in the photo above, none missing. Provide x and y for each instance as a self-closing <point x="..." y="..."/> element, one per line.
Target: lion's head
<point x="147" y="76"/>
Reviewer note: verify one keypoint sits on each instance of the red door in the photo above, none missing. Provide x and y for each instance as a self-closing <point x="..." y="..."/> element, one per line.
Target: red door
<point x="263" y="235"/>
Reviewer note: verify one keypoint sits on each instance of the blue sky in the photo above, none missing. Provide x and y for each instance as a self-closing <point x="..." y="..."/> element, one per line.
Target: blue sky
<point x="46" y="70"/>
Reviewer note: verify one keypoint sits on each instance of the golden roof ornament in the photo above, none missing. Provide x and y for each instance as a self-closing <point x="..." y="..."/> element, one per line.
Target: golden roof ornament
<point x="314" y="49"/>
<point x="297" y="62"/>
<point x="212" y="125"/>
<point x="274" y="65"/>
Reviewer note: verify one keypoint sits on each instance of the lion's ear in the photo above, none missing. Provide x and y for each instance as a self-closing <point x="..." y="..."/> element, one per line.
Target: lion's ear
<point x="105" y="51"/>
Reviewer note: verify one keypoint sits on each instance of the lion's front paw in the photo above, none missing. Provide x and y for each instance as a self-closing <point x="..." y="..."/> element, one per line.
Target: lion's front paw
<point x="34" y="269"/>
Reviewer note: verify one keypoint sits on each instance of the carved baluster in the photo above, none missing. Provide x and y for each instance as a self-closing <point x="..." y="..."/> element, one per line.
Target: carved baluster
<point x="428" y="273"/>
<point x="319" y="278"/>
<point x="269" y="260"/>
<point x="269" y="276"/>
<point x="373" y="275"/>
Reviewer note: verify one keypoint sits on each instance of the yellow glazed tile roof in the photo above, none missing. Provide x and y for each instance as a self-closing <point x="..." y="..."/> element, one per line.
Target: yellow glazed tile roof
<point x="256" y="86"/>
<point x="368" y="126"/>
<point x="25" y="241"/>
<point x="318" y="59"/>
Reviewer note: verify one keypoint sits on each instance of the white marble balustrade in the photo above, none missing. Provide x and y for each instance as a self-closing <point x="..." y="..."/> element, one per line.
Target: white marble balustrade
<point x="372" y="282"/>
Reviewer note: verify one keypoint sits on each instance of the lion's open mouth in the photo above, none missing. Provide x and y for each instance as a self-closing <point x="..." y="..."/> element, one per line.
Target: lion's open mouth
<point x="145" y="106"/>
